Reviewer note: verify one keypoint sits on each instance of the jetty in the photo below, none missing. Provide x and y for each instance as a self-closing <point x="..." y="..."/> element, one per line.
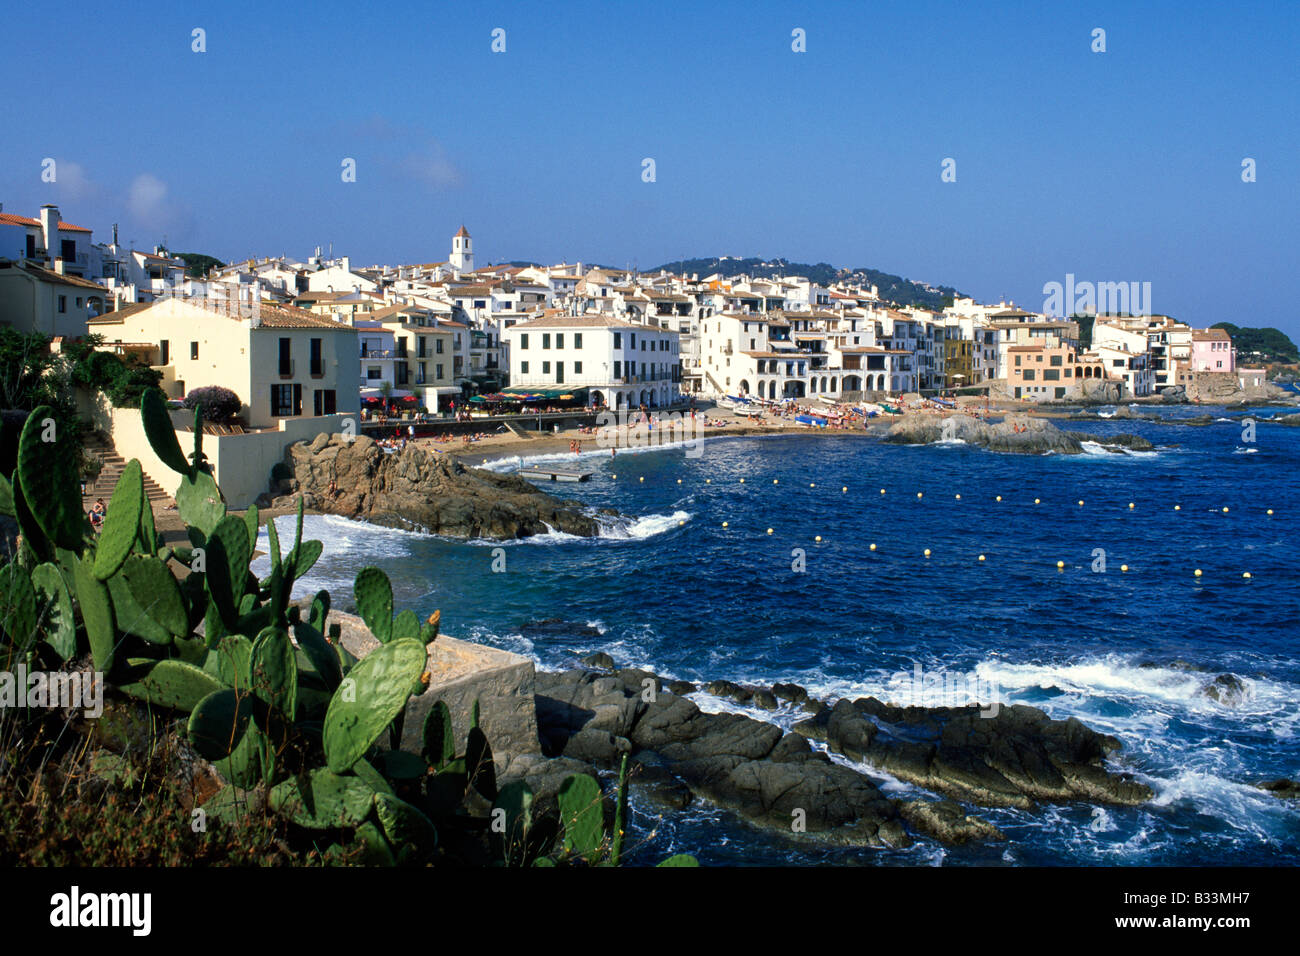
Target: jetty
<point x="549" y="473"/>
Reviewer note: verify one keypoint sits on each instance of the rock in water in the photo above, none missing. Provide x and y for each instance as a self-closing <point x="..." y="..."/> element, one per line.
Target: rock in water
<point x="1015" y="434"/>
<point x="426" y="491"/>
<point x="1227" y="689"/>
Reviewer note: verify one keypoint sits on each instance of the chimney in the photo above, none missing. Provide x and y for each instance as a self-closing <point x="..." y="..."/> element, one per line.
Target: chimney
<point x="50" y="229"/>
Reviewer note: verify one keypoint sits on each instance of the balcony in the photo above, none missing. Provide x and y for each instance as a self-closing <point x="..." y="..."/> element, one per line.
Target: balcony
<point x="380" y="353"/>
<point x="287" y="368"/>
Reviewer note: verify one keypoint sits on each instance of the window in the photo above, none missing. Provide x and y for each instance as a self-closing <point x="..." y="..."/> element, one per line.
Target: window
<point x="618" y="340"/>
<point x="523" y="340"/>
<point x="286" y="400"/>
<point x="546" y="368"/>
<point x="194" y="351"/>
<point x="523" y="368"/>
<point x="618" y="369"/>
<point x="63" y="303"/>
<point x="1029" y="375"/>
<point x="438" y="370"/>
<point x="286" y="363"/>
<point x="577" y="340"/>
<point x="437" y="346"/>
<point x="577" y="368"/>
<point x="317" y="362"/>
<point x="559" y="340"/>
<point x="68" y="249"/>
<point x="323" y="401"/>
<point x="165" y="348"/>
<point x="374" y="373"/>
<point x="1056" y="360"/>
<point x="546" y="340"/>
<point x="1051" y="375"/>
<point x="632" y="337"/>
<point x="1017" y="361"/>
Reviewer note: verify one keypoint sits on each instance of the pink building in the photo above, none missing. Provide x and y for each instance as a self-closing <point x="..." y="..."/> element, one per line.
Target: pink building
<point x="1212" y="351"/>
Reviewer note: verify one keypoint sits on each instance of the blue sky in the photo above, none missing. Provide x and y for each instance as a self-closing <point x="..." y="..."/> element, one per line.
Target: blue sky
<point x="1115" y="166"/>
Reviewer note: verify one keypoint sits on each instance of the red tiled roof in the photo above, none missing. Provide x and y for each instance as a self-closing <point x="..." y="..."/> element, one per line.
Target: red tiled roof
<point x="9" y="219"/>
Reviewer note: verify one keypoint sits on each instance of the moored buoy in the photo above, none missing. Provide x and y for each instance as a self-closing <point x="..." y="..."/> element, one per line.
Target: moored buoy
<point x="918" y="494"/>
<point x="818" y="539"/>
<point x="1037" y="502"/>
<point x="1245" y="574"/>
<point x="1178" y="507"/>
<point x="1131" y="506"/>
<point x="873" y="546"/>
<point x="724" y="524"/>
<point x="1225" y="511"/>
<point x="642" y="478"/>
<point x="769" y="530"/>
<point x="927" y="552"/>
<point x="1080" y="502"/>
<point x="1060" y="565"/>
<point x="981" y="557"/>
<point x="844" y="489"/>
<point x="1270" y="511"/>
<point x="1197" y="572"/>
<point x="959" y="497"/>
<point x="775" y="481"/>
<point x="999" y="498"/>
<point x="1123" y="567"/>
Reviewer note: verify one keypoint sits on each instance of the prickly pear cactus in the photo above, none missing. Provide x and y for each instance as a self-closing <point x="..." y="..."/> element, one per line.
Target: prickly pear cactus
<point x="582" y="816"/>
<point x="122" y="523"/>
<point x="374" y="596"/>
<point x="49" y="482"/>
<point x="159" y="430"/>
<point x="367" y="700"/>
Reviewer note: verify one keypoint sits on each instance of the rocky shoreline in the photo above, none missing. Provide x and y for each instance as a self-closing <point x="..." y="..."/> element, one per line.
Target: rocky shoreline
<point x="422" y="490"/>
<point x="589" y="717"/>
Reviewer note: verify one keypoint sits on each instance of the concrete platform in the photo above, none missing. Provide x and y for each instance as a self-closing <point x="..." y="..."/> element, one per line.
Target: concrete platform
<point x="461" y="672"/>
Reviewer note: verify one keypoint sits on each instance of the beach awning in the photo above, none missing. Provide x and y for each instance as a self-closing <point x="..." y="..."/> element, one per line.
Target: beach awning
<point x="543" y="393"/>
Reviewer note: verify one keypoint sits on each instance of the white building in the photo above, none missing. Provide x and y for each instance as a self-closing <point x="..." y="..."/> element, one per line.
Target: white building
<point x="620" y="364"/>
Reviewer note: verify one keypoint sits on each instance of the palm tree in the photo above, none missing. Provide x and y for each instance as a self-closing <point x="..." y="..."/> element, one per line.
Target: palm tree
<point x="386" y="389"/>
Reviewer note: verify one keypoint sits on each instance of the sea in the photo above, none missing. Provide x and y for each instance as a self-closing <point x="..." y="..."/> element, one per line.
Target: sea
<point x="804" y="558"/>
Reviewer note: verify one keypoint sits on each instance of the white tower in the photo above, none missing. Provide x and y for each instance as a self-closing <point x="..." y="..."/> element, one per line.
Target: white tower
<point x="462" y="251"/>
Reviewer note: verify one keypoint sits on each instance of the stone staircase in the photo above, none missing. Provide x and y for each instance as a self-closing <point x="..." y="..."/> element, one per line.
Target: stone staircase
<point x="103" y="485"/>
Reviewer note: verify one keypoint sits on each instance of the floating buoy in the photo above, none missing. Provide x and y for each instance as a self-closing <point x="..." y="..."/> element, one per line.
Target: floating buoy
<point x="679" y="481"/>
<point x="724" y="524"/>
<point x="708" y="481"/>
<point x="844" y="489"/>
<point x="1245" y="574"/>
<point x="873" y="546"/>
<point x="1270" y="511"/>
<point x="742" y="481"/>
<point x="769" y="530"/>
<point x="775" y="481"/>
<point x="1060" y="565"/>
<point x="1123" y="567"/>
<point x="927" y="552"/>
<point x="919" y="494"/>
<point x="1080" y="502"/>
<point x="882" y="491"/>
<point x="812" y="484"/>
<point x="1131" y="506"/>
<point x="981" y="557"/>
<point x="1037" y="502"/>
<point x="818" y="539"/>
<point x="681" y="524"/>
<point x="1197" y="572"/>
<point x="613" y="476"/>
<point x="1225" y="511"/>
<point x="642" y="478"/>
<point x="959" y="497"/>
<point x="1178" y="507"/>
<point x="999" y="498"/>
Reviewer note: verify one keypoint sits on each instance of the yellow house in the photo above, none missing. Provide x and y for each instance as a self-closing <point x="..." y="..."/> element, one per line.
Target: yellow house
<point x="425" y="350"/>
<point x="282" y="362"/>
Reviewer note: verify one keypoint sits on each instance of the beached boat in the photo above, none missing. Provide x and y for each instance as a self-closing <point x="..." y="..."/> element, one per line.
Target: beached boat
<point x="811" y="420"/>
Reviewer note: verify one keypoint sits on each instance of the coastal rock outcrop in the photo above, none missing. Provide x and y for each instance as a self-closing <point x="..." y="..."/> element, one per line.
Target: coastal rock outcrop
<point x="415" y="488"/>
<point x="1015" y="434"/>
<point x="1014" y="757"/>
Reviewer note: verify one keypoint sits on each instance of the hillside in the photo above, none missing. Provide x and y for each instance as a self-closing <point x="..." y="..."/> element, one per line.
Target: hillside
<point x="1260" y="345"/>
<point x="889" y="286"/>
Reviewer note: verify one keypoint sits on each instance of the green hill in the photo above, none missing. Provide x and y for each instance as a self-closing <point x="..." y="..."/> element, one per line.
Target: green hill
<point x="1260" y="345"/>
<point x="889" y="286"/>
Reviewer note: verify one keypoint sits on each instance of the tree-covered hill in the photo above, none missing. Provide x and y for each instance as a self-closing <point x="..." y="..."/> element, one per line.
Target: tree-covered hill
<point x="1260" y="345"/>
<point x="889" y="286"/>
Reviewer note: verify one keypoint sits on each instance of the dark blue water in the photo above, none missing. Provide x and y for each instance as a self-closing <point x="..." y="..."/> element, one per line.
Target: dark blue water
<point x="1125" y="651"/>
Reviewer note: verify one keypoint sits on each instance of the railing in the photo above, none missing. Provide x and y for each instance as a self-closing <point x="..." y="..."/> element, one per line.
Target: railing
<point x="380" y="353"/>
